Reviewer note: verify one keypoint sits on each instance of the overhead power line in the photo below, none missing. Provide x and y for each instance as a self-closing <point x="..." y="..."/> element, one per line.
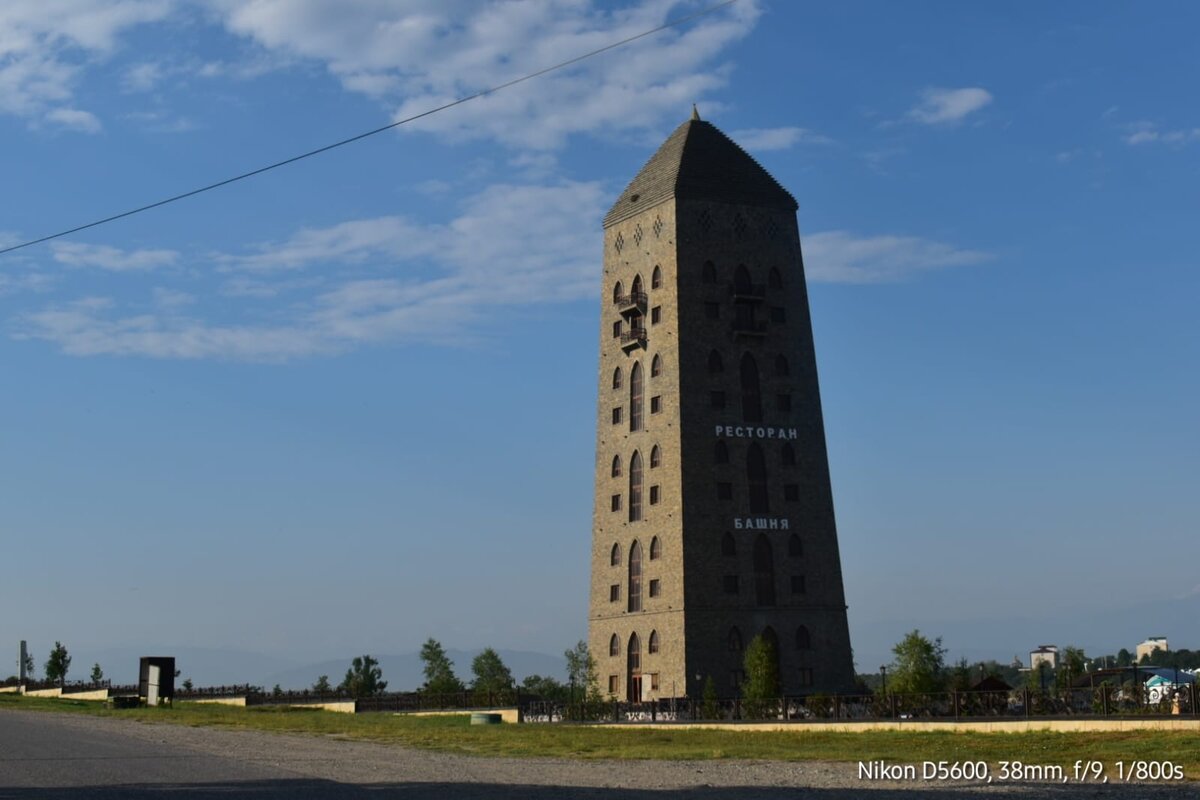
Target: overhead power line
<point x="671" y="23"/>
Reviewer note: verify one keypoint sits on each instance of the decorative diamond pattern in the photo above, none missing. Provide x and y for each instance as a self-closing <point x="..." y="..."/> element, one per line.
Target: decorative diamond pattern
<point x="658" y="226"/>
<point x="705" y="221"/>
<point x="637" y="234"/>
<point x="619" y="242"/>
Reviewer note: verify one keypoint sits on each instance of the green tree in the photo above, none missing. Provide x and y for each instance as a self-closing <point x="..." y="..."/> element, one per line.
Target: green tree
<point x="581" y="671"/>
<point x="29" y="665"/>
<point x="188" y="685"/>
<point x="364" y="678"/>
<point x="761" y="687"/>
<point x="97" y="673"/>
<point x="322" y="685"/>
<point x="58" y="664"/>
<point x="959" y="678"/>
<point x="918" y="666"/>
<point x="439" y="669"/>
<point x="546" y="688"/>
<point x="1124" y="658"/>
<point x="1070" y="666"/>
<point x="277" y="691"/>
<point x="491" y="675"/>
<point x="708" y="705"/>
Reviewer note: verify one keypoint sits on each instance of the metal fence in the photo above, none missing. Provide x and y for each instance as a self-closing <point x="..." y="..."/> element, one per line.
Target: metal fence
<point x="1100" y="701"/>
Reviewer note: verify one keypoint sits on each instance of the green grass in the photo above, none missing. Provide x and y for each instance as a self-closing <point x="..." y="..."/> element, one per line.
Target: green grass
<point x="455" y="734"/>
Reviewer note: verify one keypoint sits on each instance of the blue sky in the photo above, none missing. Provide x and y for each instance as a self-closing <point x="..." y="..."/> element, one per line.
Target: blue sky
<point x="349" y="404"/>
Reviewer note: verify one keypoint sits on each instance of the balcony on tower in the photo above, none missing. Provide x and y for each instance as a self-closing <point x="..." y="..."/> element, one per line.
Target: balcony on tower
<point x="633" y="303"/>
<point x="749" y="327"/>
<point x="748" y="292"/>
<point x="634" y="337"/>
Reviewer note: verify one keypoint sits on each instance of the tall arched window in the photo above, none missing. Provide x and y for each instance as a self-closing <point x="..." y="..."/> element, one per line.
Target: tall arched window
<point x="803" y="639"/>
<point x="652" y="646"/>
<point x="714" y="363"/>
<point x="656" y="367"/>
<point x="636" y="288"/>
<point x="756" y="474"/>
<point x="781" y="365"/>
<point x="634" y="665"/>
<point x="774" y="279"/>
<point x="751" y="396"/>
<point x="741" y="280"/>
<point x="728" y="545"/>
<point x="795" y="546"/>
<point x="616" y="467"/>
<point x="655" y="549"/>
<point x="708" y="273"/>
<point x="788" y="455"/>
<point x="735" y="639"/>
<point x="635" y="576"/>
<point x="635" y="397"/>
<point x="656" y="278"/>
<point x="764" y="571"/>
<point x="614" y="646"/>
<point x="635" y="487"/>
<point x="655" y="457"/>
<point x="617" y="378"/>
<point x="618" y="290"/>
<point x="614" y="556"/>
<point x="720" y="453"/>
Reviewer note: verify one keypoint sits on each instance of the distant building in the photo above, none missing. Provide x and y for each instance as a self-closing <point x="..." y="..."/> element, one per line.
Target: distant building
<point x="1045" y="654"/>
<point x="1150" y="645"/>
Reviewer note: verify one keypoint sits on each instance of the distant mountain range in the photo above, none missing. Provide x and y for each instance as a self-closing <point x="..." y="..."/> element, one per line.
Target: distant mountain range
<point x="222" y="667"/>
<point x="404" y="672"/>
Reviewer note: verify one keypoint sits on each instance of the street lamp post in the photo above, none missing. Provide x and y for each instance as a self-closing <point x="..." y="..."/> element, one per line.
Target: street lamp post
<point x="883" y="675"/>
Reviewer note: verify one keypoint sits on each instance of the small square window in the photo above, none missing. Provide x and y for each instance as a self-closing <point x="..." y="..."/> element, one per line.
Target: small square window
<point x="655" y="587"/>
<point x="712" y="311"/>
<point x="716" y="399"/>
<point x="616" y="502"/>
<point x="791" y="491"/>
<point x="797" y="584"/>
<point x="736" y="678"/>
<point x="778" y="314"/>
<point x="613" y="684"/>
<point x="617" y="329"/>
<point x="655" y="404"/>
<point x="806" y="676"/>
<point x="783" y="402"/>
<point x="725" y="491"/>
<point x="614" y="593"/>
<point x="730" y="584"/>
<point x="654" y="494"/>
<point x="617" y="415"/>
<point x="656" y="315"/>
<point x="654" y="681"/>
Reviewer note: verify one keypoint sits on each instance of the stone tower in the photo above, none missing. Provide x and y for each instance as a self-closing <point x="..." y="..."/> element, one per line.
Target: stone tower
<point x="714" y="515"/>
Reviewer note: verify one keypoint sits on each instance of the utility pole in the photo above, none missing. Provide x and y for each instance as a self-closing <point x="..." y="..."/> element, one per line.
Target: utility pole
<point x="24" y="658"/>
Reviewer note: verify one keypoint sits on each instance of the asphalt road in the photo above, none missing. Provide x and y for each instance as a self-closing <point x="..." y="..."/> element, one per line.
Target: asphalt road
<point x="73" y="757"/>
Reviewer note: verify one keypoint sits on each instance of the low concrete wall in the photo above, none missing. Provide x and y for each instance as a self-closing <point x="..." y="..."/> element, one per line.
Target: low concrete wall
<point x="10" y="689"/>
<point x="932" y="726"/>
<point x="43" y="693"/>
<point x="510" y="715"/>
<point x="219" y="701"/>
<point x="91" y="694"/>
<point x="337" y="706"/>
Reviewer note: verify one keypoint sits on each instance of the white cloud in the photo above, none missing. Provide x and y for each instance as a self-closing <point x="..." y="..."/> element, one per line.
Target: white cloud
<point x="424" y="53"/>
<point x="948" y="106"/>
<point x="510" y="245"/>
<point x="143" y="77"/>
<point x="43" y="43"/>
<point x="757" y="139"/>
<point x="80" y="254"/>
<point x="1149" y="133"/>
<point x="840" y="257"/>
<point x="75" y="119"/>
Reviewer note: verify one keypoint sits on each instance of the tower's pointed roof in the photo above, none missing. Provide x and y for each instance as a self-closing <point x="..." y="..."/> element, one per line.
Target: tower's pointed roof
<point x="697" y="161"/>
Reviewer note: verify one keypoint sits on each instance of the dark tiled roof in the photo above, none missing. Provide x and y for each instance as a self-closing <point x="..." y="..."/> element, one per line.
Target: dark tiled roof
<point x="697" y="161"/>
